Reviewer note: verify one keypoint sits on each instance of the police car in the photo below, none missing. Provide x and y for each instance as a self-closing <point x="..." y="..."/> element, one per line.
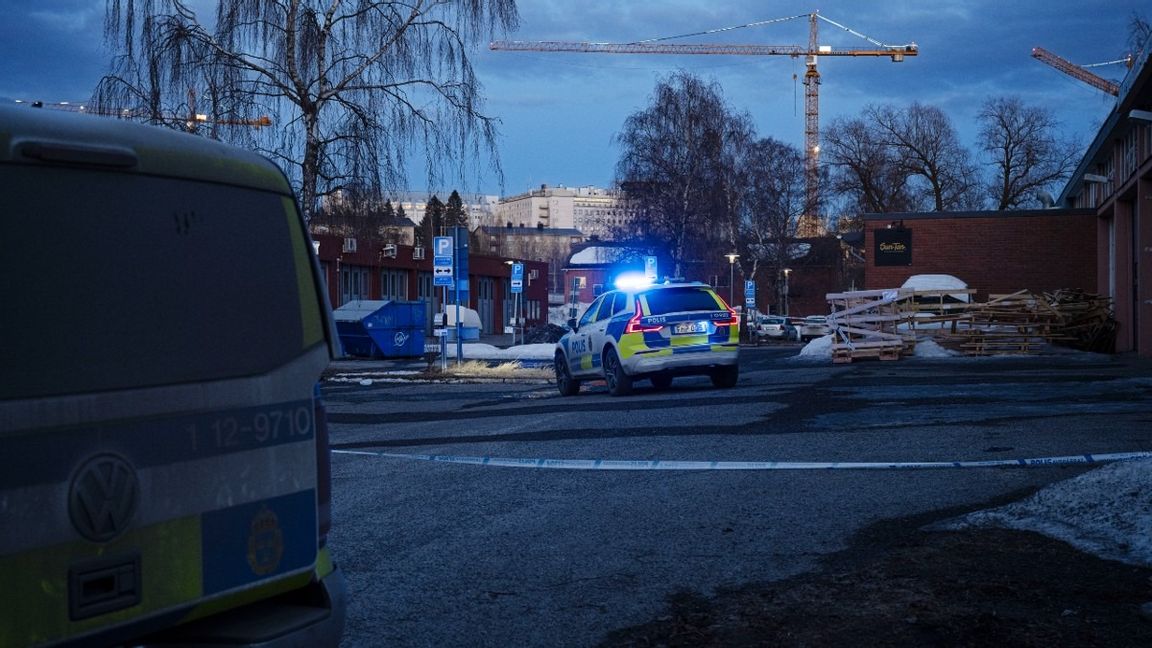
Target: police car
<point x="650" y="332"/>
<point x="166" y="476"/>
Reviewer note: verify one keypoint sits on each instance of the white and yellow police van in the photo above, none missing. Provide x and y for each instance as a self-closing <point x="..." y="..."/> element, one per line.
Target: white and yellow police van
<point x="655" y="332"/>
<point x="165" y="474"/>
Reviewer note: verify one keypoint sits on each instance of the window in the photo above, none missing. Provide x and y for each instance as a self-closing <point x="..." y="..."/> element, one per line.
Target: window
<point x="394" y="284"/>
<point x="674" y="300"/>
<point x="608" y="306"/>
<point x="589" y="315"/>
<point x="619" y="303"/>
<point x="156" y="312"/>
<point x="353" y="284"/>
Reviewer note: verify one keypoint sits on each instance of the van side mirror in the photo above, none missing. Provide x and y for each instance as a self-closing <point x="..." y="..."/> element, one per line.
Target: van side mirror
<point x="572" y="323"/>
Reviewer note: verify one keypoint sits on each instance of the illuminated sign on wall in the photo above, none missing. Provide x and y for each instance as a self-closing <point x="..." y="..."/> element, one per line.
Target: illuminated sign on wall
<point x="893" y="247"/>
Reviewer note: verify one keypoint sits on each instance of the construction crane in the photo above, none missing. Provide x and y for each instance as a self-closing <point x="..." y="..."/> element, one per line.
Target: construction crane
<point x="191" y="121"/>
<point x="1079" y="71"/>
<point x="809" y="224"/>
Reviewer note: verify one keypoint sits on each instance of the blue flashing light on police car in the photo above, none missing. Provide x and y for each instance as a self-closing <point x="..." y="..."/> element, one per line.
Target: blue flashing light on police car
<point x="632" y="281"/>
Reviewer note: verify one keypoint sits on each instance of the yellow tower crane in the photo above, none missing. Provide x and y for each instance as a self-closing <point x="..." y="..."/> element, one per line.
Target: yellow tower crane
<point x="810" y="224"/>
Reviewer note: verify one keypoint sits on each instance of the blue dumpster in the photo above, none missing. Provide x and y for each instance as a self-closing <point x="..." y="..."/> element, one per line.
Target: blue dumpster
<point x="381" y="329"/>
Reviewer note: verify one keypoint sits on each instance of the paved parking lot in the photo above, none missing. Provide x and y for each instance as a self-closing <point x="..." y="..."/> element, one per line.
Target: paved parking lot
<point x="454" y="554"/>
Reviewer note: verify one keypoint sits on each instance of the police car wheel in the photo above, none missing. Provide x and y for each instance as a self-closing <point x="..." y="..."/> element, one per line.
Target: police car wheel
<point x="619" y="383"/>
<point x="662" y="382"/>
<point x="725" y="377"/>
<point x="565" y="383"/>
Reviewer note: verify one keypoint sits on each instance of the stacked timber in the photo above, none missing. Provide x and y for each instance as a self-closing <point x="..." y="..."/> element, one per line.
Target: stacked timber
<point x="885" y="324"/>
<point x="1086" y="320"/>
<point x="867" y="324"/>
<point x="1018" y="322"/>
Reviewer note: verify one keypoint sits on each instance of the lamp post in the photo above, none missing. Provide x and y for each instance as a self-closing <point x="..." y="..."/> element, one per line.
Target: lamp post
<point x="732" y="256"/>
<point x="787" y="271"/>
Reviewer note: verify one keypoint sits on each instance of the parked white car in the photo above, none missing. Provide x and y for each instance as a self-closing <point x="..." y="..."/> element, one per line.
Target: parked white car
<point x="814" y="326"/>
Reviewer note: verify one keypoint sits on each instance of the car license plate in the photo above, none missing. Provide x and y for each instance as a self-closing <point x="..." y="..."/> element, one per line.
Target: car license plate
<point x="690" y="327"/>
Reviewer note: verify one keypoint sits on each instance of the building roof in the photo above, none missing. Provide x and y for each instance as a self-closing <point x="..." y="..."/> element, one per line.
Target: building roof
<point x="397" y="222"/>
<point x="1135" y="93"/>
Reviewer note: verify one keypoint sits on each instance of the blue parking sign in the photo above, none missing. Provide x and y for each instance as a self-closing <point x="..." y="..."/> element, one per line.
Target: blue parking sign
<point x="442" y="246"/>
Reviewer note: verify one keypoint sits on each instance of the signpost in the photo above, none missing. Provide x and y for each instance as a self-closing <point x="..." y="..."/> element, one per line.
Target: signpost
<point x="442" y="261"/>
<point x="442" y="250"/>
<point x="650" y="267"/>
<point x="518" y="309"/>
<point x="749" y="303"/>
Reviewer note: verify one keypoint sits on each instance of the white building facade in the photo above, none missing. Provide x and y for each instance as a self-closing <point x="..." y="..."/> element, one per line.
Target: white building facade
<point x="592" y="210"/>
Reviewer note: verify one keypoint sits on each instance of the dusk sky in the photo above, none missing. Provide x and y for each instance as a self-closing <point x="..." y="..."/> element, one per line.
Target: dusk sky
<point x="559" y="112"/>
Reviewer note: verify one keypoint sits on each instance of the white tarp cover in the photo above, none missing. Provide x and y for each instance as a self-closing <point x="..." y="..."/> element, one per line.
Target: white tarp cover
<point x="937" y="282"/>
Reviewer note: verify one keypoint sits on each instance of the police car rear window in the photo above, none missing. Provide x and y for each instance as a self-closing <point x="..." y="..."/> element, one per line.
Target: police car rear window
<point x="117" y="280"/>
<point x="679" y="299"/>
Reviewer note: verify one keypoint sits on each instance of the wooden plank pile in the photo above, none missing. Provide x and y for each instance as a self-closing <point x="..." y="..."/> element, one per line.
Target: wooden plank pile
<point x="865" y="324"/>
<point x="1023" y="322"/>
<point x="1086" y="320"/>
<point x="885" y="324"/>
<point x="1018" y="322"/>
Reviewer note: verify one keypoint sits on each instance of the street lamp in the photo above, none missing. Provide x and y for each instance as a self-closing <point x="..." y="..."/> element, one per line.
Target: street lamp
<point x="732" y="256"/>
<point x="787" y="271"/>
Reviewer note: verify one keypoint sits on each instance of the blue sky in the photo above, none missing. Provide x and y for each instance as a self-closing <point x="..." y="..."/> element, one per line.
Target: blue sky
<point x="559" y="112"/>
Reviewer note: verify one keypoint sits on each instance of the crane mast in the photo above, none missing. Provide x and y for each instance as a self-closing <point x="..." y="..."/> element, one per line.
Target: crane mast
<point x="810" y="223"/>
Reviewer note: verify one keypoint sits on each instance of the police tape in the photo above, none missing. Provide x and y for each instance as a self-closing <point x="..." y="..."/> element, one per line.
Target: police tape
<point x="659" y="464"/>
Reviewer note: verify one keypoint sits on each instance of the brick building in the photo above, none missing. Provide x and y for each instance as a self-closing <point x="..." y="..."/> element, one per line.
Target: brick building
<point x="993" y="252"/>
<point x="362" y="268"/>
<point x="1114" y="181"/>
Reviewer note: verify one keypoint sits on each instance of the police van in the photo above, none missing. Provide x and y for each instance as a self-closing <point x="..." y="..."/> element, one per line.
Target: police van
<point x="651" y="332"/>
<point x="165" y="474"/>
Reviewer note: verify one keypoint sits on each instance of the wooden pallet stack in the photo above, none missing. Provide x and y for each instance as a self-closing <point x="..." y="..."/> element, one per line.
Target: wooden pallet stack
<point x="1086" y="320"/>
<point x="885" y="324"/>
<point x="1018" y="322"/>
<point x="866" y="324"/>
<point x="933" y="310"/>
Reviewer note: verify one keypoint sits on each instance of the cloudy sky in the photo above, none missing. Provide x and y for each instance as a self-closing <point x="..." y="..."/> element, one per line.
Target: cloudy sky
<point x="559" y="112"/>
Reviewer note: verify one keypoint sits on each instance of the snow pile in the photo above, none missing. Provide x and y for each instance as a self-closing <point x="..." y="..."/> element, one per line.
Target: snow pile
<point x="820" y="347"/>
<point x="1106" y="512"/>
<point x="930" y="349"/>
<point x="480" y="351"/>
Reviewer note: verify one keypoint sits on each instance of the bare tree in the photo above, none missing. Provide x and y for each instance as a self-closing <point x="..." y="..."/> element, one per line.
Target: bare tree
<point x="1026" y="155"/>
<point x="774" y="200"/>
<point x="670" y="169"/>
<point x="926" y="145"/>
<point x="865" y="171"/>
<point x="1139" y="31"/>
<point x="351" y="85"/>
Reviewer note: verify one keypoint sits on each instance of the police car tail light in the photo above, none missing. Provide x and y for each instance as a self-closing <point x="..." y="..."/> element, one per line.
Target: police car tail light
<point x="635" y="326"/>
<point x="733" y="319"/>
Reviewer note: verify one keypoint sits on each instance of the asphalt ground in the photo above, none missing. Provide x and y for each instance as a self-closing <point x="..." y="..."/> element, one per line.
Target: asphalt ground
<point x="448" y="554"/>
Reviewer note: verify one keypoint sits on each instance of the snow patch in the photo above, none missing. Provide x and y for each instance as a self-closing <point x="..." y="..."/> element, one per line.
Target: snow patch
<point x="1106" y="512"/>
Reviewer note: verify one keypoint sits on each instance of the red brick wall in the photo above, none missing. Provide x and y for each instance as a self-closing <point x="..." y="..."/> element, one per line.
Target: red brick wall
<point x="993" y="252"/>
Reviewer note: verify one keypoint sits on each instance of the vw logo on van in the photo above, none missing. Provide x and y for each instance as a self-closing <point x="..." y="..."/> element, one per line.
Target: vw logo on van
<point x="103" y="497"/>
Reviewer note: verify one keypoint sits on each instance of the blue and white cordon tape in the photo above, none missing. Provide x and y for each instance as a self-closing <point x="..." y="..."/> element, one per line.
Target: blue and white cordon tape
<point x="658" y="464"/>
